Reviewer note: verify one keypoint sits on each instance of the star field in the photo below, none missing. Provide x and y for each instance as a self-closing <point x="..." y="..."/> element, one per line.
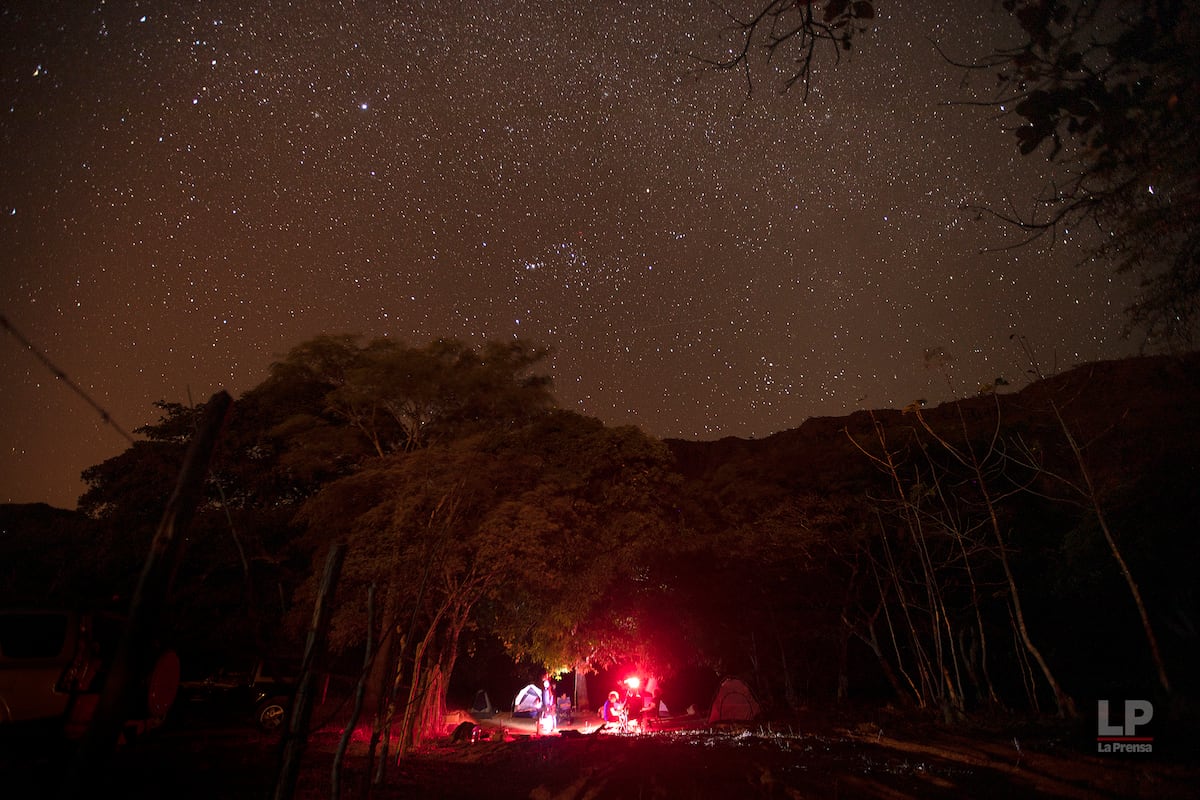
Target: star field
<point x="189" y="190"/>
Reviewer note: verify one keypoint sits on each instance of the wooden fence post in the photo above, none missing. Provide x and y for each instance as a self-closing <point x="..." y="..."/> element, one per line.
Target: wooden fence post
<point x="295" y="737"/>
<point x="130" y="661"/>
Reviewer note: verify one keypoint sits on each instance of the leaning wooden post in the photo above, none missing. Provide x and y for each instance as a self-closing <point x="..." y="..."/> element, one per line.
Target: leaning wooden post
<point x="360" y="692"/>
<point x="154" y="585"/>
<point x="295" y="738"/>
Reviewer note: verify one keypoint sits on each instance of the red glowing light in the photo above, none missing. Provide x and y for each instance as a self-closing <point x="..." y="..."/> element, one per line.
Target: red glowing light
<point x="634" y="682"/>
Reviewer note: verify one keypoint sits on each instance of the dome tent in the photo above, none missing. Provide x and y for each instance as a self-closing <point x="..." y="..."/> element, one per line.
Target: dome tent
<point x="528" y="701"/>
<point x="733" y="702"/>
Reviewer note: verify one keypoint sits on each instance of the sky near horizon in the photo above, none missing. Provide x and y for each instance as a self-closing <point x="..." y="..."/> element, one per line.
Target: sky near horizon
<point x="189" y="190"/>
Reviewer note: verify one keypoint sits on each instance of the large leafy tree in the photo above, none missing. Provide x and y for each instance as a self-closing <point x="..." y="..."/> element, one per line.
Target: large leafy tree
<point x="329" y="404"/>
<point x="412" y="523"/>
<point x="526" y="531"/>
<point x="403" y="398"/>
<point x="136" y="483"/>
<point x="605" y="509"/>
<point x="400" y="398"/>
<point x="328" y="407"/>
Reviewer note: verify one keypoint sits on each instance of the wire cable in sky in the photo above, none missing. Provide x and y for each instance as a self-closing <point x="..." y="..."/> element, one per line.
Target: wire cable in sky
<point x="62" y="376"/>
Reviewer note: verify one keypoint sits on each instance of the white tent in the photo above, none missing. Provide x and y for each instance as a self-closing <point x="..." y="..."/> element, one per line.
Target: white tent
<point x="527" y="700"/>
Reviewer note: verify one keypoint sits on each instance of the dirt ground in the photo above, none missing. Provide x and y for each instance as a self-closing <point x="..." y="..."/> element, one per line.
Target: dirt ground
<point x="682" y="758"/>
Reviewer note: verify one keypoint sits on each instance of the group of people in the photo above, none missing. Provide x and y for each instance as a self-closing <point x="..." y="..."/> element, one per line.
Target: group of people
<point x="626" y="709"/>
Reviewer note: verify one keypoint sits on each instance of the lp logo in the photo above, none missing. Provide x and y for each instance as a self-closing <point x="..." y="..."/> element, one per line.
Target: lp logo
<point x="1137" y="712"/>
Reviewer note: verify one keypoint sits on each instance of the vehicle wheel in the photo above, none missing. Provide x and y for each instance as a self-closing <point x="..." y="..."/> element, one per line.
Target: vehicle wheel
<point x="270" y="713"/>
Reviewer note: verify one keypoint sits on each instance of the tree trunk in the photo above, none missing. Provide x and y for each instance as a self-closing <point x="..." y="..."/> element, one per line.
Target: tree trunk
<point x="379" y="683"/>
<point x="1066" y="706"/>
<point x="887" y="615"/>
<point x="580" y="701"/>
<point x="1134" y="591"/>
<point x="418" y="688"/>
<point x="969" y="459"/>
<point x="872" y="642"/>
<point x="1092" y="497"/>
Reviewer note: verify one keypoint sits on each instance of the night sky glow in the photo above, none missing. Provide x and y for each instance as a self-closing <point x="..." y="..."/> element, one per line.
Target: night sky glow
<point x="187" y="190"/>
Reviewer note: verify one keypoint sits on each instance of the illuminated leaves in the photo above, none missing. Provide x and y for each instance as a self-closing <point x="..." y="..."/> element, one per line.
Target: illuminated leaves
<point x="543" y="522"/>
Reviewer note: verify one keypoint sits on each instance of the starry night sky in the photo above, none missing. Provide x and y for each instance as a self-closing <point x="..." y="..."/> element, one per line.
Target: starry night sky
<point x="189" y="190"/>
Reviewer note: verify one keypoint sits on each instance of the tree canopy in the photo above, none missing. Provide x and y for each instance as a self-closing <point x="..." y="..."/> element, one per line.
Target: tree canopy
<point x="1109" y="89"/>
<point x="328" y="407"/>
<point x="532" y="532"/>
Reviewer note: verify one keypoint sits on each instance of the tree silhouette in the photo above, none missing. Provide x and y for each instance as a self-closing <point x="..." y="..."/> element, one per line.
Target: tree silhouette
<point x="791" y="29"/>
<point x="1107" y="89"/>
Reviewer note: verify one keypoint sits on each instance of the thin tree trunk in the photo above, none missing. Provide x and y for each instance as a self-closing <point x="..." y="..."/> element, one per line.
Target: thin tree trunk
<point x="919" y="654"/>
<point x="941" y="619"/>
<point x="872" y="642"/>
<point x="933" y="674"/>
<point x="416" y="695"/>
<point x="380" y="680"/>
<point x="1066" y="706"/>
<point x="917" y="694"/>
<point x="993" y="698"/>
<point x="1027" y="675"/>
<point x="1134" y="591"/>
<point x="958" y="535"/>
<point x="432" y="557"/>
<point x="1093" y="498"/>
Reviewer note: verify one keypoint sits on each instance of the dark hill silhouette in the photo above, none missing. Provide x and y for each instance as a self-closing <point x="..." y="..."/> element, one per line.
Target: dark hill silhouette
<point x="1134" y="401"/>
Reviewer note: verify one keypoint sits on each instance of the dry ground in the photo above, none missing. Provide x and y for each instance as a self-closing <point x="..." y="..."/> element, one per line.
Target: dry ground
<point x="804" y="758"/>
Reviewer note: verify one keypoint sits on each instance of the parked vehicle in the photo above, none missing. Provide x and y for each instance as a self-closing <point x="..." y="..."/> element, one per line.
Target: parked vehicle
<point x="260" y="694"/>
<point x="53" y="664"/>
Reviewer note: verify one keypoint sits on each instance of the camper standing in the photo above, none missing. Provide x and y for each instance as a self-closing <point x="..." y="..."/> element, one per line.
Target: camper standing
<point x="548" y="721"/>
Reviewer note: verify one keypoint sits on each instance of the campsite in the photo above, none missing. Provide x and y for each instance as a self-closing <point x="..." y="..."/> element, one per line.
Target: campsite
<point x="854" y="601"/>
<point x="573" y="401"/>
<point x="729" y="748"/>
<point x="810" y="755"/>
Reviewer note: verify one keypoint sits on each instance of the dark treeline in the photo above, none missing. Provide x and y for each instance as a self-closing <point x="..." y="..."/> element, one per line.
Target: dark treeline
<point x="1014" y="552"/>
<point x="989" y="554"/>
